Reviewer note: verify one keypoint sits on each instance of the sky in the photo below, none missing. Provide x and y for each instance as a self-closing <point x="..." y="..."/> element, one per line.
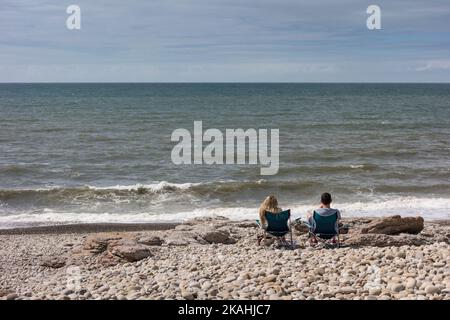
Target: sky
<point x="224" y="41"/>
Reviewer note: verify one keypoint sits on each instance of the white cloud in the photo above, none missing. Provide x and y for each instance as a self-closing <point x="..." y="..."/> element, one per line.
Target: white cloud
<point x="434" y="65"/>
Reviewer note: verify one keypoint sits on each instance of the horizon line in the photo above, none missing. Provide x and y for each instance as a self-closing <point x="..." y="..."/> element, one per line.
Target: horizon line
<point x="223" y="82"/>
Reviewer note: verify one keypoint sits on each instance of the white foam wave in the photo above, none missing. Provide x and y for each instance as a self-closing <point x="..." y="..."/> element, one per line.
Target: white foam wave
<point x="429" y="208"/>
<point x="155" y="187"/>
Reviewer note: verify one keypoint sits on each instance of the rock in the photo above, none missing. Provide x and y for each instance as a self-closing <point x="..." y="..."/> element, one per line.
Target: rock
<point x="54" y="262"/>
<point x="374" y="291"/>
<point x="347" y="290"/>
<point x="246" y="224"/>
<point x="150" y="241"/>
<point x="12" y="296"/>
<point x="301" y="228"/>
<point x="439" y="264"/>
<point x="382" y="240"/>
<point x="206" y="285"/>
<point x="430" y="289"/>
<point x="187" y="295"/>
<point x="396" y="287"/>
<point x="131" y="252"/>
<point x="108" y="259"/>
<point x="212" y="235"/>
<point x="229" y="279"/>
<point x="97" y="243"/>
<point x="5" y="292"/>
<point x="410" y="283"/>
<point x="394" y="225"/>
<point x="213" y="292"/>
<point x="67" y="292"/>
<point x="182" y="238"/>
<point x="320" y="271"/>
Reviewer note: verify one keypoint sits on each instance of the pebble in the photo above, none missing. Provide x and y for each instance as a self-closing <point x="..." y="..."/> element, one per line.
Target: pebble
<point x="432" y="290"/>
<point x="374" y="291"/>
<point x="397" y="287"/>
<point x="347" y="290"/>
<point x="410" y="283"/>
<point x="12" y="296"/>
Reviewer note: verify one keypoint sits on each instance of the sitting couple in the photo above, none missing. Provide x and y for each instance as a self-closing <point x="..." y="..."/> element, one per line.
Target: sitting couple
<point x="323" y="222"/>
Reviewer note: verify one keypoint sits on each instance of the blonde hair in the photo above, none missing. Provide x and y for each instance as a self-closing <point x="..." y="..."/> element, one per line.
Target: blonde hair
<point x="269" y="204"/>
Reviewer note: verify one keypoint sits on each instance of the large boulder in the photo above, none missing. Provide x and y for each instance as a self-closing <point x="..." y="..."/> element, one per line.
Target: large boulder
<point x="383" y="240"/>
<point x="130" y="252"/>
<point x="394" y="225"/>
<point x="212" y="235"/>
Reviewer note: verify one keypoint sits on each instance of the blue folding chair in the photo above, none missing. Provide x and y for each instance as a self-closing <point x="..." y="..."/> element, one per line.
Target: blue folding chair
<point x="278" y="226"/>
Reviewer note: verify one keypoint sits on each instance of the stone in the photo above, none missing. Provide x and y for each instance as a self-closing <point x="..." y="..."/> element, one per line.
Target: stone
<point x="301" y="228"/>
<point x="374" y="291"/>
<point x="54" y="262"/>
<point x="396" y="287"/>
<point x="183" y="238"/>
<point x="229" y="279"/>
<point x="206" y="285"/>
<point x="320" y="271"/>
<point x="67" y="292"/>
<point x="12" y="296"/>
<point x="410" y="283"/>
<point x="213" y="292"/>
<point x="394" y="225"/>
<point x="212" y="235"/>
<point x="347" y="290"/>
<point x="270" y="278"/>
<point x="5" y="292"/>
<point x="246" y="224"/>
<point x="97" y="243"/>
<point x="430" y="289"/>
<point x="187" y="295"/>
<point x="150" y="241"/>
<point x="131" y="252"/>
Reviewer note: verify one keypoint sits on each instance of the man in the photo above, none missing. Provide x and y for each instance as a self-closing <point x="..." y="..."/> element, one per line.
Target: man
<point x="324" y="210"/>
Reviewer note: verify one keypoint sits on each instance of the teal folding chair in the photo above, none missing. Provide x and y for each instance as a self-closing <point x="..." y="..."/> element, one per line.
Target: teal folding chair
<point x="278" y="226"/>
<point x="325" y="230"/>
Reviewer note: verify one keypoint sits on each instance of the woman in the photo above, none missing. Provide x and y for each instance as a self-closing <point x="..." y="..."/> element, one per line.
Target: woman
<point x="269" y="204"/>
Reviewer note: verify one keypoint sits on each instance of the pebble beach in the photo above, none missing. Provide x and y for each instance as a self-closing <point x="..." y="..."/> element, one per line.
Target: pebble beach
<point x="220" y="259"/>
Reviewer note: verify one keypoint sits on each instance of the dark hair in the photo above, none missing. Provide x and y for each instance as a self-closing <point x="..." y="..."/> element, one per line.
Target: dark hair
<point x="326" y="198"/>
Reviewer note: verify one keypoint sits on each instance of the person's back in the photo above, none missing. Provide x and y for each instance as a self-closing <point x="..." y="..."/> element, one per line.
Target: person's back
<point x="269" y="204"/>
<point x="324" y="210"/>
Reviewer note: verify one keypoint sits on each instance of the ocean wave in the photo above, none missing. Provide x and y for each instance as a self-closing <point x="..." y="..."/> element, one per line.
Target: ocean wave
<point x="201" y="189"/>
<point x="429" y="208"/>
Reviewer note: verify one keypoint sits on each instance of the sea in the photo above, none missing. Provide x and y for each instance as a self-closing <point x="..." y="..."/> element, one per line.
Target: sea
<point x="101" y="152"/>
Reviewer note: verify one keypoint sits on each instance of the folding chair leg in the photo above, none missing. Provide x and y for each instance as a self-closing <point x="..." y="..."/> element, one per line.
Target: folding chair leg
<point x="292" y="242"/>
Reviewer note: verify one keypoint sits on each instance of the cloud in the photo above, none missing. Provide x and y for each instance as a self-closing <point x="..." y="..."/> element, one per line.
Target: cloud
<point x="223" y="40"/>
<point x="434" y="65"/>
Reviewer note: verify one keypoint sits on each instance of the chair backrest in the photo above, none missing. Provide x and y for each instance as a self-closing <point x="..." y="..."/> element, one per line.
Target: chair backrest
<point x="278" y="222"/>
<point x="326" y="224"/>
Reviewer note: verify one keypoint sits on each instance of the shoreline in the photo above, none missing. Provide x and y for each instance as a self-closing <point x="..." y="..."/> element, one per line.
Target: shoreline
<point x="81" y="228"/>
